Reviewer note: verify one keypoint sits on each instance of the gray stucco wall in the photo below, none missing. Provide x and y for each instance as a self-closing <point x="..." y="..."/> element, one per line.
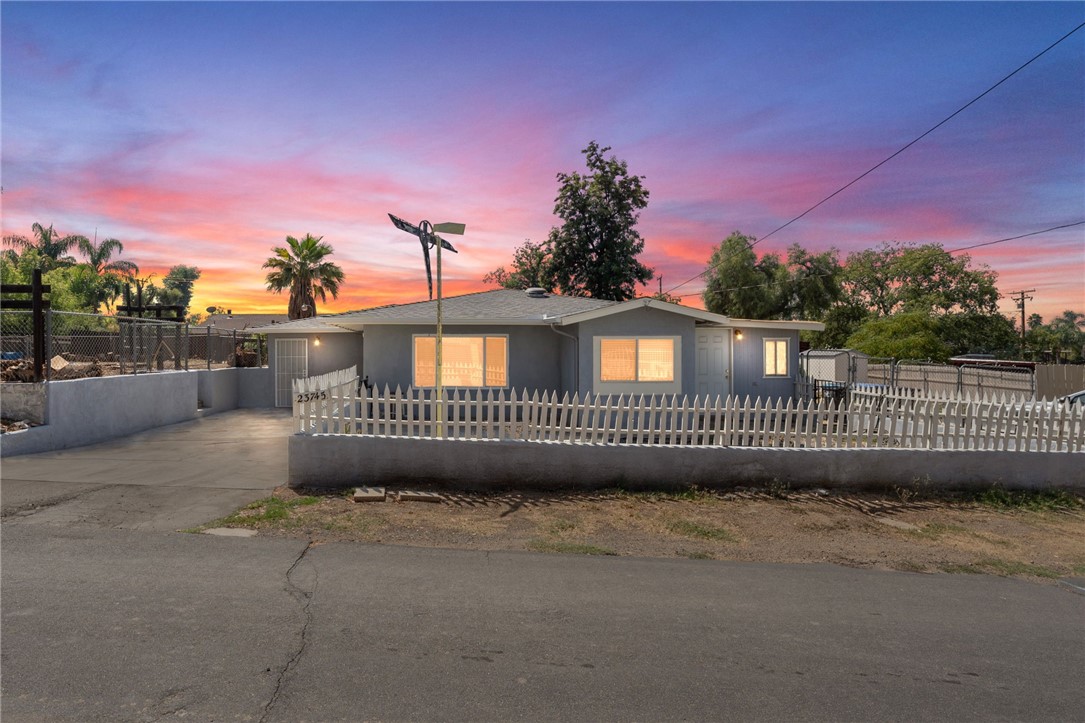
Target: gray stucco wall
<point x="255" y="388"/>
<point x="84" y="411"/>
<point x="336" y="351"/>
<point x="534" y="354"/>
<point x="349" y="460"/>
<point x="216" y="389"/>
<point x="638" y="322"/>
<point x="219" y="390"/>
<point x="748" y="365"/>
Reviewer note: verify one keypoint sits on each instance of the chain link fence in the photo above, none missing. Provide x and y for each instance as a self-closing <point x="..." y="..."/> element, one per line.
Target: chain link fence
<point x="92" y="345"/>
<point x="830" y="373"/>
<point x="16" y="335"/>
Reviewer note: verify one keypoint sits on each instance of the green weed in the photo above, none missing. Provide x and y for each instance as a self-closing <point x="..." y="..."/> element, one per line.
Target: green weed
<point x="269" y="509"/>
<point x="689" y="528"/>
<point x="1031" y="500"/>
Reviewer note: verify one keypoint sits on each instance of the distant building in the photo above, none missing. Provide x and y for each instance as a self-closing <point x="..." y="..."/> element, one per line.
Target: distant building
<point x="242" y="322"/>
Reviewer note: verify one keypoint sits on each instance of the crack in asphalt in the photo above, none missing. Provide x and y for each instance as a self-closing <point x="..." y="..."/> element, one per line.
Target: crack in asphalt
<point x="305" y="597"/>
<point x="30" y="508"/>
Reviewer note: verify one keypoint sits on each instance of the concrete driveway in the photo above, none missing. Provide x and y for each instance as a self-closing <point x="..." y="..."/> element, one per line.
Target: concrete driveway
<point x="164" y="479"/>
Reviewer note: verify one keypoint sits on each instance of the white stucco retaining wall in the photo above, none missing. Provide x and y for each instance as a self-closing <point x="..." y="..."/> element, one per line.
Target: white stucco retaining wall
<point x="349" y="460"/>
<point x="85" y="411"/>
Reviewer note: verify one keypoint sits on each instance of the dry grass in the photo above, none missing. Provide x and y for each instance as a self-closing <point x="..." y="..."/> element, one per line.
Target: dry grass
<point x="1038" y="537"/>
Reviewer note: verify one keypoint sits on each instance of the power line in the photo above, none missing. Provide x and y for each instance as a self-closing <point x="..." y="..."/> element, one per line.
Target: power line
<point x="948" y="251"/>
<point x="895" y="154"/>
<point x="1014" y="238"/>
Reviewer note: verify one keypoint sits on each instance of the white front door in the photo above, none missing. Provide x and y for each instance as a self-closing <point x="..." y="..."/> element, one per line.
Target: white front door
<point x="713" y="363"/>
<point x="291" y="362"/>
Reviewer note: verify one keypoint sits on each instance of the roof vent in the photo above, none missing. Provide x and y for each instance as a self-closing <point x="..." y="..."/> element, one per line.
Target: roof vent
<point x="536" y="292"/>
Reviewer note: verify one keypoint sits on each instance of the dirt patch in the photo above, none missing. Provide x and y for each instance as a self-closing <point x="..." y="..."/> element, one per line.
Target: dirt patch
<point x="15" y="425"/>
<point x="1041" y="541"/>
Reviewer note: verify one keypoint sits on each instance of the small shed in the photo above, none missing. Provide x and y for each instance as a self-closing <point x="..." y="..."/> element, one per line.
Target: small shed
<point x="834" y="365"/>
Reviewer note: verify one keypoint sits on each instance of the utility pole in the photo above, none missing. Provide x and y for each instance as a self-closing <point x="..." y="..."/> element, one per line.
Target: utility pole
<point x="1021" y="297"/>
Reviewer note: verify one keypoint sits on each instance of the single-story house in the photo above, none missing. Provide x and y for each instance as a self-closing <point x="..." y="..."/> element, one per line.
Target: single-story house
<point x="242" y="322"/>
<point x="536" y="340"/>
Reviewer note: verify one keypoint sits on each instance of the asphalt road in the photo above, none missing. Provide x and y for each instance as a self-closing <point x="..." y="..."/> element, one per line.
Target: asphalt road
<point x="108" y="615"/>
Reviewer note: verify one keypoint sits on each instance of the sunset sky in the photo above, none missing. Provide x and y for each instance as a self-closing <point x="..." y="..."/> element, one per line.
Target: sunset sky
<point x="205" y="133"/>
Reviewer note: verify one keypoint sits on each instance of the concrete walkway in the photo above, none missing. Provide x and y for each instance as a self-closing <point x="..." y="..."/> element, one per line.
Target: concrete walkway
<point x="164" y="479"/>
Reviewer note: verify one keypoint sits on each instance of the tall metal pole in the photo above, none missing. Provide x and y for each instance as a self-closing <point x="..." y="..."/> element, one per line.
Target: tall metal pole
<point x="1020" y="296"/>
<point x="427" y="228"/>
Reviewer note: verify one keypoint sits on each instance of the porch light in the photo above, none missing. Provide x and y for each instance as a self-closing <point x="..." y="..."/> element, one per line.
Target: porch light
<point x="738" y="334"/>
<point x="316" y="341"/>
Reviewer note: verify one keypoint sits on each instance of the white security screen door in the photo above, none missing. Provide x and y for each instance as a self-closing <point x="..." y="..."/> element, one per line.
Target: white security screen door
<point x="713" y="367"/>
<point x="291" y="362"/>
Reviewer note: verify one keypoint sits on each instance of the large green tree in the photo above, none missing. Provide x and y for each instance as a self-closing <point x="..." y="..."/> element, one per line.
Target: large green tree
<point x="810" y="285"/>
<point x="908" y="335"/>
<point x="739" y="284"/>
<point x="594" y="251"/>
<point x="71" y="287"/>
<point x="179" y="280"/>
<point x="301" y="267"/>
<point x="51" y="246"/>
<point x="901" y="277"/>
<point x="530" y="268"/>
<point x="803" y="285"/>
<point x="893" y="279"/>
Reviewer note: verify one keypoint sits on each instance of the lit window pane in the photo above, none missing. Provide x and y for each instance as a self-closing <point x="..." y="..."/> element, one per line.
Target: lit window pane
<point x="496" y="361"/>
<point x="425" y="361"/>
<point x="618" y="360"/>
<point x="655" y="360"/>
<point x="461" y="361"/>
<point x="776" y="357"/>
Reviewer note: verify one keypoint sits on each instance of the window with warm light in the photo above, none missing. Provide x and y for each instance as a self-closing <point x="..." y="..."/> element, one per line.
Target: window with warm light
<point x="466" y="361"/>
<point x="637" y="359"/>
<point x="776" y="357"/>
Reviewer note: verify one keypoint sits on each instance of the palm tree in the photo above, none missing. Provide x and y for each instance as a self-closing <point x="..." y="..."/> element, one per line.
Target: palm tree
<point x="49" y="244"/>
<point x="300" y="267"/>
<point x="111" y="275"/>
<point x="99" y="257"/>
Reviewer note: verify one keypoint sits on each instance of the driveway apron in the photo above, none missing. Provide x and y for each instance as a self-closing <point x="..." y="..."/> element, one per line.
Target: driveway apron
<point x="163" y="479"/>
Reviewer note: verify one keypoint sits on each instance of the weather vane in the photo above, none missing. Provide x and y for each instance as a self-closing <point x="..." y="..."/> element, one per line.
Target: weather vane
<point x="428" y="239"/>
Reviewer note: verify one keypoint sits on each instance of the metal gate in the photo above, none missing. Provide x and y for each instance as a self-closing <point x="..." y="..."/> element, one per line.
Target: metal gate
<point x="291" y="362"/>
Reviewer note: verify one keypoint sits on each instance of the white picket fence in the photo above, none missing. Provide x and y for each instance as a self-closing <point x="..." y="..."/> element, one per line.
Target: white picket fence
<point x="904" y="420"/>
<point x="325" y="404"/>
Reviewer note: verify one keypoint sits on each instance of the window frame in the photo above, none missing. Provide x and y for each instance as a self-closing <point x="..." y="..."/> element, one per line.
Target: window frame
<point x="482" y="337"/>
<point x="765" y="357"/>
<point x="641" y="387"/>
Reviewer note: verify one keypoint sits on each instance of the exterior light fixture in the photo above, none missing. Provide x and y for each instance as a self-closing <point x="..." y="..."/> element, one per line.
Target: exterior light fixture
<point x="316" y="341"/>
<point x="738" y="334"/>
